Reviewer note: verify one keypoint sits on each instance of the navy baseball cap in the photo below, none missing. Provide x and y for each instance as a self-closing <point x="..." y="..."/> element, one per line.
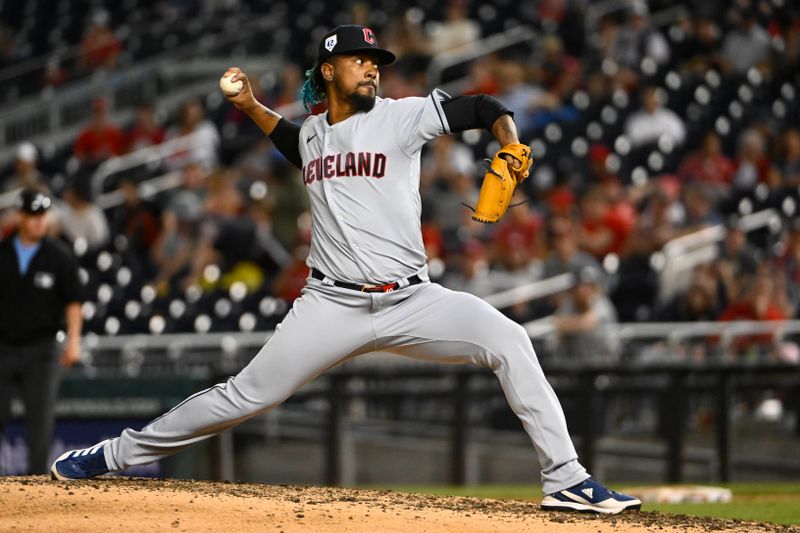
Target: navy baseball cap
<point x="351" y="38"/>
<point x="34" y="202"/>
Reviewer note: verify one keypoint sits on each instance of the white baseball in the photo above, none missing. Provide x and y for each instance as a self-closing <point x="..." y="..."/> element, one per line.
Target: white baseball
<point x="230" y="88"/>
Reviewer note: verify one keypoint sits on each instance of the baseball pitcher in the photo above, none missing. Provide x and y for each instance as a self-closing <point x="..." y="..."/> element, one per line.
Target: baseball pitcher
<point x="369" y="288"/>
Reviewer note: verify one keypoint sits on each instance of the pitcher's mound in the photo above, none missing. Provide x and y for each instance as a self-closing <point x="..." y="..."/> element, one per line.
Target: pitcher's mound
<point x="132" y="504"/>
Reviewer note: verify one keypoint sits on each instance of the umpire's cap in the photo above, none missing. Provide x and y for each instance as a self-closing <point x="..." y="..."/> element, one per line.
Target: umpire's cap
<point x="350" y="38"/>
<point x="34" y="202"/>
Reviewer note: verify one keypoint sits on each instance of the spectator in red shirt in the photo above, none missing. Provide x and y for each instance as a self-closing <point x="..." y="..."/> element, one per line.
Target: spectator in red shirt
<point x="100" y="47"/>
<point x="146" y="131"/>
<point x="520" y="228"/>
<point x="603" y="230"/>
<point x="101" y="139"/>
<point x="292" y="279"/>
<point x="617" y="195"/>
<point x="433" y="240"/>
<point x="483" y="76"/>
<point x="561" y="201"/>
<point x="760" y="302"/>
<point x="708" y="165"/>
<point x="598" y="155"/>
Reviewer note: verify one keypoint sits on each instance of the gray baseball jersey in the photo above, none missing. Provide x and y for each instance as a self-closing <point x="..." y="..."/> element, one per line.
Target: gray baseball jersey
<point x="362" y="175"/>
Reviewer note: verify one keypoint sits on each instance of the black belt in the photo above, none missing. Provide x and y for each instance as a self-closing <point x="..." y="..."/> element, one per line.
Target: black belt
<point x="389" y="287"/>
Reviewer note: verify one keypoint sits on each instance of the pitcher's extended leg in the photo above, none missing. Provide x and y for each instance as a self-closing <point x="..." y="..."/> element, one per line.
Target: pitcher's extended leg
<point x="451" y="327"/>
<point x="305" y="344"/>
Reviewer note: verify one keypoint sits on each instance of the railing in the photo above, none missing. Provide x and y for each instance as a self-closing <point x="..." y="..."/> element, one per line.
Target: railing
<point x="47" y="119"/>
<point x="678" y="257"/>
<point x="673" y="385"/>
<point x="150" y="155"/>
<point x="682" y="254"/>
<point x="147" y="189"/>
<point x="56" y="121"/>
<point x="153" y="155"/>
<point x="597" y="10"/>
<point x="463" y="54"/>
<point x="531" y="291"/>
<point x="246" y="344"/>
<point x="323" y="412"/>
<point x="675" y="332"/>
<point x="36" y="65"/>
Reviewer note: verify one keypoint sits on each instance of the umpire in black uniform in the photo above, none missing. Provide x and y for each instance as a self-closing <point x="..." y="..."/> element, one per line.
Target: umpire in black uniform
<point x="40" y="293"/>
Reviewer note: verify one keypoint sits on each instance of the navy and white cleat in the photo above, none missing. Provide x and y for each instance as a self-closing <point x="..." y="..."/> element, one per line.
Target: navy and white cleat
<point x="591" y="497"/>
<point x="80" y="464"/>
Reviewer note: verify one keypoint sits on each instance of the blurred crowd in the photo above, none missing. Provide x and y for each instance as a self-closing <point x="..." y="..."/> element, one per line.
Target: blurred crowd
<point x="98" y="48"/>
<point x="588" y="102"/>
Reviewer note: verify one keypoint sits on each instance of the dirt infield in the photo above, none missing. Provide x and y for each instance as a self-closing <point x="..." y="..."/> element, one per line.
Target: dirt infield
<point x="126" y="504"/>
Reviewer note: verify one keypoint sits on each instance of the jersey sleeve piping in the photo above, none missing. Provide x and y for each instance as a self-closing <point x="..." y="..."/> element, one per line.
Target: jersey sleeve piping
<point x="437" y="96"/>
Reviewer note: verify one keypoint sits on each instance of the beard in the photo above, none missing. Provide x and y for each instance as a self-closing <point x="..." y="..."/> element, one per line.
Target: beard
<point x="362" y="102"/>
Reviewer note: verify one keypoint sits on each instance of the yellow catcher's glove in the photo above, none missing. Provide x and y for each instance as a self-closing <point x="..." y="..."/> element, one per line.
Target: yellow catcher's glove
<point x="500" y="180"/>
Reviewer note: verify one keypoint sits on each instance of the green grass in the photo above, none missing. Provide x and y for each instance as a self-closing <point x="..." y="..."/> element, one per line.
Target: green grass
<point x="776" y="512"/>
<point x="760" y="502"/>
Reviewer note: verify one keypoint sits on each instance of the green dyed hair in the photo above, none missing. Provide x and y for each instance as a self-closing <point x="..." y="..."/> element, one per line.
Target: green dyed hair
<point x="313" y="90"/>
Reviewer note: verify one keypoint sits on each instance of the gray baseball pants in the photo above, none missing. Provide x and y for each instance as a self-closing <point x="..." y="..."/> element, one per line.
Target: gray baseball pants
<point x="329" y="325"/>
